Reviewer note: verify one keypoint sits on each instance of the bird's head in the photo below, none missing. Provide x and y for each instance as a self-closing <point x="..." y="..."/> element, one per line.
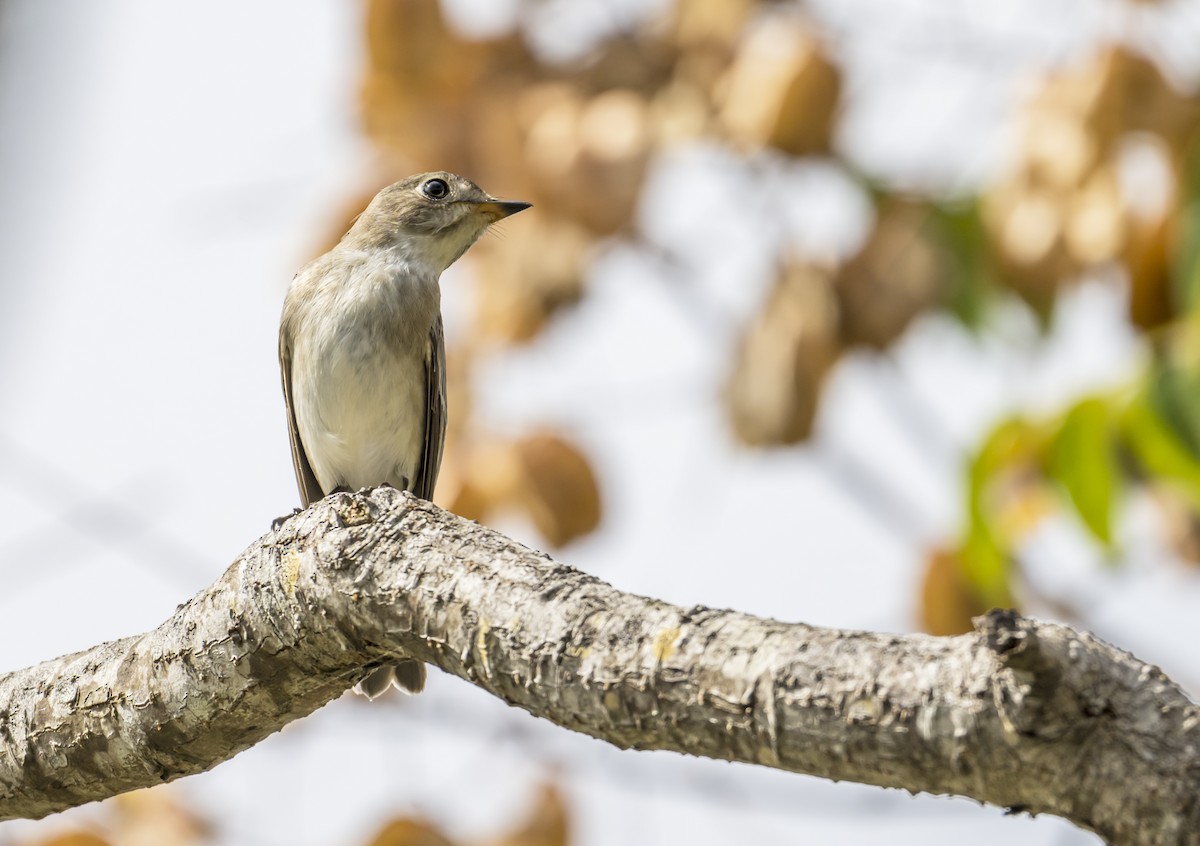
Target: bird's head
<point x="431" y="218"/>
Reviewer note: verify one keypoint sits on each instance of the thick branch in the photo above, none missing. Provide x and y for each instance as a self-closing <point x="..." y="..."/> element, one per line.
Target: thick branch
<point x="1019" y="714"/>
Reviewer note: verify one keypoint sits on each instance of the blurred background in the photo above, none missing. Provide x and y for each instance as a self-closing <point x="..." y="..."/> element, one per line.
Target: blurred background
<point x="866" y="314"/>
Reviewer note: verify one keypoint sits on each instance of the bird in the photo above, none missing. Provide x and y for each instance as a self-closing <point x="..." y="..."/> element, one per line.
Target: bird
<point x="362" y="353"/>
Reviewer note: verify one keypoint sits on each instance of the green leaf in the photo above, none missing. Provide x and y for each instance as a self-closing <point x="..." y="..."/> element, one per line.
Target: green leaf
<point x="973" y="276"/>
<point x="1185" y="266"/>
<point x="1185" y="269"/>
<point x="985" y="563"/>
<point x="1174" y="383"/>
<point x="1081" y="458"/>
<point x="986" y="552"/>
<point x="1160" y="452"/>
<point x="1013" y="442"/>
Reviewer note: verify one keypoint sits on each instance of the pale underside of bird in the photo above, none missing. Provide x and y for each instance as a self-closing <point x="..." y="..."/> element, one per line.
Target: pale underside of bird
<point x="362" y="353"/>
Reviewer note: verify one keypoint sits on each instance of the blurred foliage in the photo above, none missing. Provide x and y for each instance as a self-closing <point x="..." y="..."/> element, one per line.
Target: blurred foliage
<point x="1081" y="462"/>
<point x="152" y="817"/>
<point x="784" y="357"/>
<point x="156" y="817"/>
<point x="547" y="823"/>
<point x="576" y="139"/>
<point x="1102" y="176"/>
<point x="1145" y="435"/>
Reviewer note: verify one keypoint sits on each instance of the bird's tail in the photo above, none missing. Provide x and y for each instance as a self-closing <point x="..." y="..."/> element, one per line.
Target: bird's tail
<point x="409" y="676"/>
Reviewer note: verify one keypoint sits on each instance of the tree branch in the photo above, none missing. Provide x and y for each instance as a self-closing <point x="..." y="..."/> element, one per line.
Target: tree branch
<point x="1025" y="715"/>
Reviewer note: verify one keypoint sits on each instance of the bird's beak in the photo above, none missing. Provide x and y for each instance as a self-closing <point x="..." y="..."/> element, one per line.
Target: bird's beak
<point x="499" y="209"/>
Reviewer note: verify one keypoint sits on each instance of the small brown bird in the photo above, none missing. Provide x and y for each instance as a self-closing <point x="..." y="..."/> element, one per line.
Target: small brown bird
<point x="362" y="353"/>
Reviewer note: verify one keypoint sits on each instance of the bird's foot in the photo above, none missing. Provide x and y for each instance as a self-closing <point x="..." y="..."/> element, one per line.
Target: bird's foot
<point x="278" y="522"/>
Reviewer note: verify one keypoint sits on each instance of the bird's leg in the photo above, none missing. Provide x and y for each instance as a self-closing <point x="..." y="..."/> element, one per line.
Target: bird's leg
<point x="337" y="516"/>
<point x="278" y="522"/>
<point x="404" y="485"/>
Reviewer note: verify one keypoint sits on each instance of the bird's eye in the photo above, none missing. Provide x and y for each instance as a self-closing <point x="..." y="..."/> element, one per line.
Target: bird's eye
<point x="435" y="189"/>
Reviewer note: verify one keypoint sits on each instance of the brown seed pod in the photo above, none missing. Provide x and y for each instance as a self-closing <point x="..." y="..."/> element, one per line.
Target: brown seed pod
<point x="785" y="354"/>
<point x="527" y="276"/>
<point x="947" y="601"/>
<point x="586" y="155"/>
<point x="898" y="274"/>
<point x="410" y="831"/>
<point x="557" y="488"/>
<point x="782" y="89"/>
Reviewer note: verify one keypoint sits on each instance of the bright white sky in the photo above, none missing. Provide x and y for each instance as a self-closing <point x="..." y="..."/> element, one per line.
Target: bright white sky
<point x="167" y="167"/>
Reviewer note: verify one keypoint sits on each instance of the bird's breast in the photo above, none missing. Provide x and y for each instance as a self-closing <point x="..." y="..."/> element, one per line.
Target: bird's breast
<point x="359" y="381"/>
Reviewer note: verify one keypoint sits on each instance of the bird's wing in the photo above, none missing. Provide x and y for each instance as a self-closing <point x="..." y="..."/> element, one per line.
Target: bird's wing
<point x="435" y="413"/>
<point x="310" y="490"/>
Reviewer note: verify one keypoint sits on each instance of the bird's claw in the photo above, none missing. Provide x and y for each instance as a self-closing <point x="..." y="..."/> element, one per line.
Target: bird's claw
<point x="278" y="522"/>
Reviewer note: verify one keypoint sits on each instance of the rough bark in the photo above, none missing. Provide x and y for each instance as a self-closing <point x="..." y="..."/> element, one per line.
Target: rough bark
<point x="1021" y="714"/>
